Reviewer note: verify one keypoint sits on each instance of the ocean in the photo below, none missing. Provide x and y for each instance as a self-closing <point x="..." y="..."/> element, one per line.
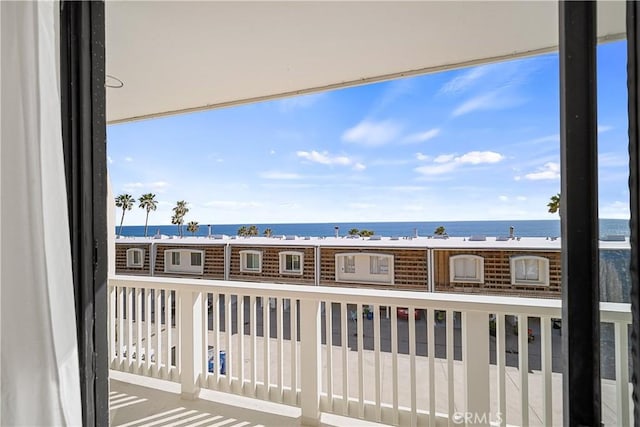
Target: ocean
<point x="530" y="228"/>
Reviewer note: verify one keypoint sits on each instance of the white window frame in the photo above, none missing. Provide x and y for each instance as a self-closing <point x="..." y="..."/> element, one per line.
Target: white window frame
<point x="479" y="268"/>
<point x="243" y="261"/>
<point x="184" y="257"/>
<point x="543" y="270"/>
<point x="362" y="265"/>
<point x="130" y="258"/>
<point x="283" y="262"/>
<point x="377" y="264"/>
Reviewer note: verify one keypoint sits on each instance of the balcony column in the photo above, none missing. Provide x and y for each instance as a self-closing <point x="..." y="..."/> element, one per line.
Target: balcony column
<point x="475" y="357"/>
<point x="310" y="358"/>
<point x="191" y="351"/>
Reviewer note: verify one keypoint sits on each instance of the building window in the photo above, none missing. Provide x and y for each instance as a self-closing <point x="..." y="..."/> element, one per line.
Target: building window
<point x="251" y="261"/>
<point x="529" y="270"/>
<point x="363" y="267"/>
<point x="378" y="264"/>
<point x="196" y="258"/>
<point x="349" y="264"/>
<point x="291" y="262"/>
<point x="466" y="268"/>
<point x="183" y="261"/>
<point x="135" y="258"/>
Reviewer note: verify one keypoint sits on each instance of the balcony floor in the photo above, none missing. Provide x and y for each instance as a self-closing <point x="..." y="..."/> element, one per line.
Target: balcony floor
<point x="157" y="403"/>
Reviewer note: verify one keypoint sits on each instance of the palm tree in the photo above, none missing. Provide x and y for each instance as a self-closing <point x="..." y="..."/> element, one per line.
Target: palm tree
<point x="440" y="231"/>
<point x="124" y="201"/>
<point x="179" y="211"/>
<point x="267" y="232"/>
<point x="554" y="204"/>
<point x="193" y="227"/>
<point x="242" y="231"/>
<point x="354" y="232"/>
<point x="253" y="231"/>
<point x="366" y="233"/>
<point x="149" y="203"/>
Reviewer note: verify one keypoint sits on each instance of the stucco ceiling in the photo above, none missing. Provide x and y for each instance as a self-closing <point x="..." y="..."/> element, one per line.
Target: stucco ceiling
<point x="179" y="56"/>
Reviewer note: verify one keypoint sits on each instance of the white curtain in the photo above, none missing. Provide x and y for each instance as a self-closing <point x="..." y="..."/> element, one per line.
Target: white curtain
<point x="39" y="376"/>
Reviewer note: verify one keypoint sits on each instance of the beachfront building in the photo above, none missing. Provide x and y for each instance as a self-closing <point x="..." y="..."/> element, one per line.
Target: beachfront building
<point x="199" y="55"/>
<point x="525" y="267"/>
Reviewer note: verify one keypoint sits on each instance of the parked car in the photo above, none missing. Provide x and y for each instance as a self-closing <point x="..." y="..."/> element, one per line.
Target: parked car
<point x="403" y="313"/>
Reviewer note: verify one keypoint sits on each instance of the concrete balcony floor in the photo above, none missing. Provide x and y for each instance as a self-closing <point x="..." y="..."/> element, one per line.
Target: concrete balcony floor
<point x="136" y="401"/>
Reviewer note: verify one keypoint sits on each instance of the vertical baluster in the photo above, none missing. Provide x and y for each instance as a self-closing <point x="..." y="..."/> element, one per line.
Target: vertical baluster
<point x="215" y="324"/>
<point x="279" y="327"/>
<point x="378" y="371"/>
<point x="523" y="363"/>
<point x="412" y="364"/>
<point x="168" y="327"/>
<point x="545" y="350"/>
<point x="129" y="329"/>
<point x="500" y="366"/>
<point x="328" y="312"/>
<point x="266" y="334"/>
<point x="450" y="356"/>
<point x="113" y="347"/>
<point x="253" y="333"/>
<point x="394" y="361"/>
<point x="240" y="322"/>
<point x="148" y="347"/>
<point x="360" y="344"/>
<point x="344" y="318"/>
<point x="158" y="347"/>
<point x="204" y="382"/>
<point x="293" y="328"/>
<point x="228" y="329"/>
<point x="622" y="372"/>
<point x="139" y="347"/>
<point x="431" y="354"/>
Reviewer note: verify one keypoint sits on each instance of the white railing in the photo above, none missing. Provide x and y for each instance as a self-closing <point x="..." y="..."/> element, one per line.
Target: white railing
<point x="386" y="369"/>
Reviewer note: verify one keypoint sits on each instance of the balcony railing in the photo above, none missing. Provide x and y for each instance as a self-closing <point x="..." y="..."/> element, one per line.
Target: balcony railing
<point x="416" y="359"/>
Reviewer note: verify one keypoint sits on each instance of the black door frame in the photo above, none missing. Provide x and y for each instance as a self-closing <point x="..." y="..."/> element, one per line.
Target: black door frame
<point x="82" y="73"/>
<point x="84" y="137"/>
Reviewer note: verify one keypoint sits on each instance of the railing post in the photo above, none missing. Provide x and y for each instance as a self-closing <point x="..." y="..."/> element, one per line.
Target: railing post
<point x="191" y="352"/>
<point x="475" y="357"/>
<point x="310" y="358"/>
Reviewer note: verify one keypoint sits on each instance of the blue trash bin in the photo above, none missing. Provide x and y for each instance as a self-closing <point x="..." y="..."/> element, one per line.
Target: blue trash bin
<point x="223" y="359"/>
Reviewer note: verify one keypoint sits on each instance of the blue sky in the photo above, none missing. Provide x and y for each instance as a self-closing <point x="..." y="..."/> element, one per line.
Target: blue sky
<point x="478" y="143"/>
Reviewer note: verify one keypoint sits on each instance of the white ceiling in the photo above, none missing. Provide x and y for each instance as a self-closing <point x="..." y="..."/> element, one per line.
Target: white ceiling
<point x="179" y="56"/>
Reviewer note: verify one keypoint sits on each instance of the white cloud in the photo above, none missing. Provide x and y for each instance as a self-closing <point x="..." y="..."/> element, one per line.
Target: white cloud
<point x="272" y="152"/>
<point x="444" y="158"/>
<point x="478" y="157"/>
<point x="371" y="133"/>
<point x="325" y="158"/>
<point x="521" y="198"/>
<point x="494" y="100"/>
<point x="550" y="170"/>
<point x="154" y="187"/>
<point x="604" y="128"/>
<point x="466" y="80"/>
<point x="128" y="159"/>
<point x="110" y="160"/>
<point x="422" y="157"/>
<point x="279" y="175"/>
<point x="445" y="163"/>
<point x="422" y="136"/>
<point x="503" y="198"/>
